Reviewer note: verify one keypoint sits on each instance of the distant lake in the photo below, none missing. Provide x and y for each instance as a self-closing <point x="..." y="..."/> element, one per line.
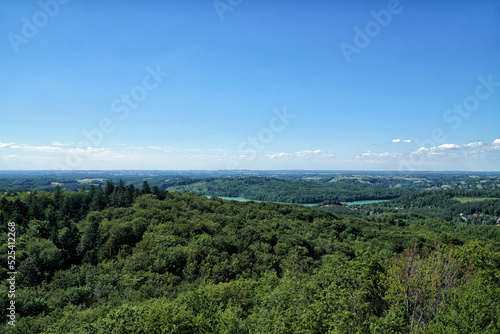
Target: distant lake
<point x="371" y="201"/>
<point x="239" y="199"/>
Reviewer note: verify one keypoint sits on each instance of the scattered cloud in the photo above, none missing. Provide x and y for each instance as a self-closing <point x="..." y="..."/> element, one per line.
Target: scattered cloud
<point x="58" y="143"/>
<point x="305" y="154"/>
<point x="472" y="150"/>
<point x="401" y="141"/>
<point x="280" y="155"/>
<point x="54" y="152"/>
<point x="392" y="155"/>
<point x="448" y="147"/>
<point x="379" y="155"/>
<point x="316" y="153"/>
<point x="475" y="144"/>
<point x="59" y="149"/>
<point x="6" y="145"/>
<point x="443" y="151"/>
<point x="43" y="156"/>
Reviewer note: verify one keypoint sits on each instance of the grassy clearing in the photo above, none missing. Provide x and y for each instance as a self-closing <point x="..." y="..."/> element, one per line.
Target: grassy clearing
<point x="473" y="199"/>
<point x="89" y="180"/>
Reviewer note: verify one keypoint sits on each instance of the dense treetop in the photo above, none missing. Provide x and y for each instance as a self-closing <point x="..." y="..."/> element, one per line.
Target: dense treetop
<point x="123" y="259"/>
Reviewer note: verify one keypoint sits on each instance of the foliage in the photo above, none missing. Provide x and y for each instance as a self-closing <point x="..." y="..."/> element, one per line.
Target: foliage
<point x="271" y="189"/>
<point x="123" y="259"/>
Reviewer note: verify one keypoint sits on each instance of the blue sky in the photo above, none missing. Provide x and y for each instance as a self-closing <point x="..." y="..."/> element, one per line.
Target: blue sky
<point x="355" y="84"/>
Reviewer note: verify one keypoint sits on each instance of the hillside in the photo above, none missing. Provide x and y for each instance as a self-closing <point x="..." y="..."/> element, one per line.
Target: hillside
<point x="278" y="190"/>
<point x="125" y="260"/>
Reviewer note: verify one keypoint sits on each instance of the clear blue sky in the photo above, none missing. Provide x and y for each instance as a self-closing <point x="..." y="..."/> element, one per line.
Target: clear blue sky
<point x="326" y="84"/>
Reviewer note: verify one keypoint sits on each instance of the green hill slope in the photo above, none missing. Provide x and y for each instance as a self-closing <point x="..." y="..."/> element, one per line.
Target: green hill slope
<point x="120" y="260"/>
<point x="276" y="190"/>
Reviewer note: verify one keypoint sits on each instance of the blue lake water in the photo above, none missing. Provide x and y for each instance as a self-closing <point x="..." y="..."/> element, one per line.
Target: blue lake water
<point x="239" y="199"/>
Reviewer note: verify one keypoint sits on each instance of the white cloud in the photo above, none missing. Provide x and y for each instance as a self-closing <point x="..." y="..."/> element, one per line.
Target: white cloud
<point x="437" y="149"/>
<point x="316" y="153"/>
<point x="41" y="148"/>
<point x="447" y="147"/>
<point x="162" y="148"/>
<point x="280" y="155"/>
<point x="387" y="154"/>
<point x="55" y="151"/>
<point x="58" y="143"/>
<point x="305" y="154"/>
<point x="5" y="145"/>
<point x="63" y="150"/>
<point x="379" y="155"/>
<point x="472" y="150"/>
<point x="401" y="141"/>
<point x="368" y="154"/>
<point x="475" y="144"/>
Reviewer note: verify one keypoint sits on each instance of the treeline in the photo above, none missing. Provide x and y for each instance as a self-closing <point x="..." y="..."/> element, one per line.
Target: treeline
<point x="34" y="184"/>
<point x="18" y="181"/>
<point x="65" y="206"/>
<point x="276" y="190"/>
<point x="118" y="259"/>
<point x="414" y="180"/>
<point x="49" y="183"/>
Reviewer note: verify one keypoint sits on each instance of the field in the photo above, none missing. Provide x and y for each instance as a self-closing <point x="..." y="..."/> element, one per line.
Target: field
<point x="474" y="199"/>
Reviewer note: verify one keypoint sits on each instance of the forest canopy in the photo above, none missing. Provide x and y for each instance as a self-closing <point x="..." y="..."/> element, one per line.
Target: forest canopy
<point x="126" y="259"/>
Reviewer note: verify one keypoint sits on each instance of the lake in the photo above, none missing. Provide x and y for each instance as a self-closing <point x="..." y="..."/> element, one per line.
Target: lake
<point x="239" y="199"/>
<point x="371" y="201"/>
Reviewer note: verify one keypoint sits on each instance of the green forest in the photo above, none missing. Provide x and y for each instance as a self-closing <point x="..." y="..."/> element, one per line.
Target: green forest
<point x="279" y="190"/>
<point x="119" y="258"/>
